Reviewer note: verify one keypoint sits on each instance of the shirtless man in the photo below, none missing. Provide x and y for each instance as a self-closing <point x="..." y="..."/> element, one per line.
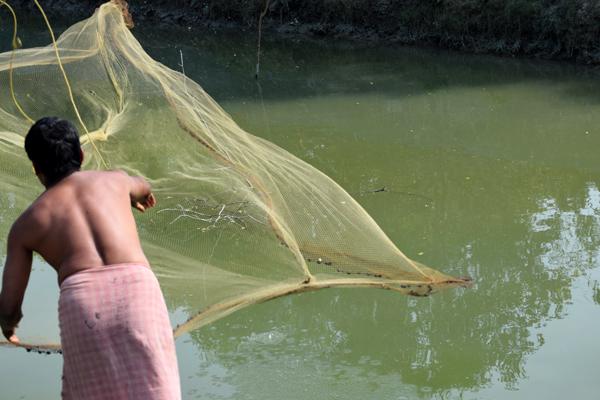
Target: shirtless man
<point x="115" y="333"/>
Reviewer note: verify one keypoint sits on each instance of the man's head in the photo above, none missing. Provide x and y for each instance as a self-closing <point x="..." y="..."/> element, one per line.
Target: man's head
<point x="52" y="144"/>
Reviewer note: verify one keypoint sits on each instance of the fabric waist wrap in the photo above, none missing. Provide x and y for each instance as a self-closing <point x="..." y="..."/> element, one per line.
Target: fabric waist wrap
<point x="116" y="336"/>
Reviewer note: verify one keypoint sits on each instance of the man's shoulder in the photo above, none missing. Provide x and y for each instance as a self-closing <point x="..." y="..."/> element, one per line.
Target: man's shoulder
<point x="32" y="222"/>
<point x="85" y="180"/>
<point x="35" y="214"/>
<point x="113" y="173"/>
<point x="115" y="178"/>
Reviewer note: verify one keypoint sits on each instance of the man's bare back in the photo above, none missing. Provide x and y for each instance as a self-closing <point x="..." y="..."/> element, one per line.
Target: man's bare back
<point x="85" y="221"/>
<point x="83" y="226"/>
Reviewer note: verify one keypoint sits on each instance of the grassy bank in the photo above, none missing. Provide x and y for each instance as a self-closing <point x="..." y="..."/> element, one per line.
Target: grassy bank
<point x="554" y="29"/>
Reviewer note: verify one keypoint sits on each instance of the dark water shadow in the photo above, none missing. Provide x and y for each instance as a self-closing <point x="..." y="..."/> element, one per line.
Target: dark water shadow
<point x="223" y="64"/>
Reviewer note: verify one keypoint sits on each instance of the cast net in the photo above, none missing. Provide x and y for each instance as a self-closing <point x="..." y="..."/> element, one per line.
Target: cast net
<point x="239" y="220"/>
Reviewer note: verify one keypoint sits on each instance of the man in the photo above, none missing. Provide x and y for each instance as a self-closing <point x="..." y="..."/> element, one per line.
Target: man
<point x="115" y="333"/>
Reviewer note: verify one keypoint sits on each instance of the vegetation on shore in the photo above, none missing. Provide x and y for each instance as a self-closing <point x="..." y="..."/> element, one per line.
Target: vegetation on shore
<point x="554" y="29"/>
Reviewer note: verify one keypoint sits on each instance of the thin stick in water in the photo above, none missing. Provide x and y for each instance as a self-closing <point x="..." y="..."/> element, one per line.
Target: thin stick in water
<point x="260" y="19"/>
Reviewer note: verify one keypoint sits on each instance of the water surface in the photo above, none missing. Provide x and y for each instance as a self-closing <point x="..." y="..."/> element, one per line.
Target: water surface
<point x="473" y="165"/>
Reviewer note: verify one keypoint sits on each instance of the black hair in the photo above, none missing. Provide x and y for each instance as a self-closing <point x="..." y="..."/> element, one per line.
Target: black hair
<point x="52" y="144"/>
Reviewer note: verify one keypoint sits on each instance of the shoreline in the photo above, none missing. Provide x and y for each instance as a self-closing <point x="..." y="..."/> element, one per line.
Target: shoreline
<point x="567" y="31"/>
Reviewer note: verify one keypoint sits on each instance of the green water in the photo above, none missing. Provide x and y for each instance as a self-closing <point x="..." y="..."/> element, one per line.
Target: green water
<point x="490" y="169"/>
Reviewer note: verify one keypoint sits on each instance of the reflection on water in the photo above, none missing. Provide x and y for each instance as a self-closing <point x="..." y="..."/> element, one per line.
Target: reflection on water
<point x="571" y="233"/>
<point x="474" y="165"/>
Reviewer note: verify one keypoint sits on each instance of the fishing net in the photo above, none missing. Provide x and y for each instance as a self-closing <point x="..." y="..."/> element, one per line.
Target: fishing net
<point x="239" y="220"/>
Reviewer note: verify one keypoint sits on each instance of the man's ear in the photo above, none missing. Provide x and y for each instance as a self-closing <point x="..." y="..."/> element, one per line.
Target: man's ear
<point x="36" y="170"/>
<point x="81" y="155"/>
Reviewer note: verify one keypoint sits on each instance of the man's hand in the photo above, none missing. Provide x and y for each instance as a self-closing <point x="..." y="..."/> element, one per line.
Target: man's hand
<point x="140" y="192"/>
<point x="9" y="334"/>
<point x="148" y="202"/>
<point x="8" y="326"/>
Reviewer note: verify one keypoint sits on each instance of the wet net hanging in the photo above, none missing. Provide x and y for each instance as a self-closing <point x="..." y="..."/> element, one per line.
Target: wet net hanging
<point x="239" y="220"/>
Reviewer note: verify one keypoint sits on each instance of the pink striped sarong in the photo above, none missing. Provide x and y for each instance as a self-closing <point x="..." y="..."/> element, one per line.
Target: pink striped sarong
<point x="116" y="336"/>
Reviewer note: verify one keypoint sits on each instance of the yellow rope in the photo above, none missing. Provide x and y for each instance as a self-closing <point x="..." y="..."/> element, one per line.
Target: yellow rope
<point x="16" y="43"/>
<point x="62" y="69"/>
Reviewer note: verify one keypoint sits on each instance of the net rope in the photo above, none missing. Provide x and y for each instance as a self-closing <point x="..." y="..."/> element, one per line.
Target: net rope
<point x="240" y="220"/>
<point x="15" y="44"/>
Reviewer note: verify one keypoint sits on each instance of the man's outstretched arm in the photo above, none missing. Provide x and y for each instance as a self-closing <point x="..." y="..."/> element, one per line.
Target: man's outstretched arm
<point x="14" y="281"/>
<point x="140" y="193"/>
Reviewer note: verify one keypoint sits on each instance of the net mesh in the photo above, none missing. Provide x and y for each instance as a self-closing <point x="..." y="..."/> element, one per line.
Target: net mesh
<point x="239" y="220"/>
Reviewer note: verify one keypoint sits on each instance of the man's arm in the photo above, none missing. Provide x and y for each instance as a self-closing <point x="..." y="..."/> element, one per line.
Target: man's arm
<point x="14" y="280"/>
<point x="140" y="192"/>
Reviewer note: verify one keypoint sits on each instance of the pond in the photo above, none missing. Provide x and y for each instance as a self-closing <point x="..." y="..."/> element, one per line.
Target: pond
<point x="473" y="165"/>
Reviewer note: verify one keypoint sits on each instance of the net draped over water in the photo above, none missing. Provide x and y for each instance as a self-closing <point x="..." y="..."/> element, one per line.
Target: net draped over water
<point x="238" y="221"/>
